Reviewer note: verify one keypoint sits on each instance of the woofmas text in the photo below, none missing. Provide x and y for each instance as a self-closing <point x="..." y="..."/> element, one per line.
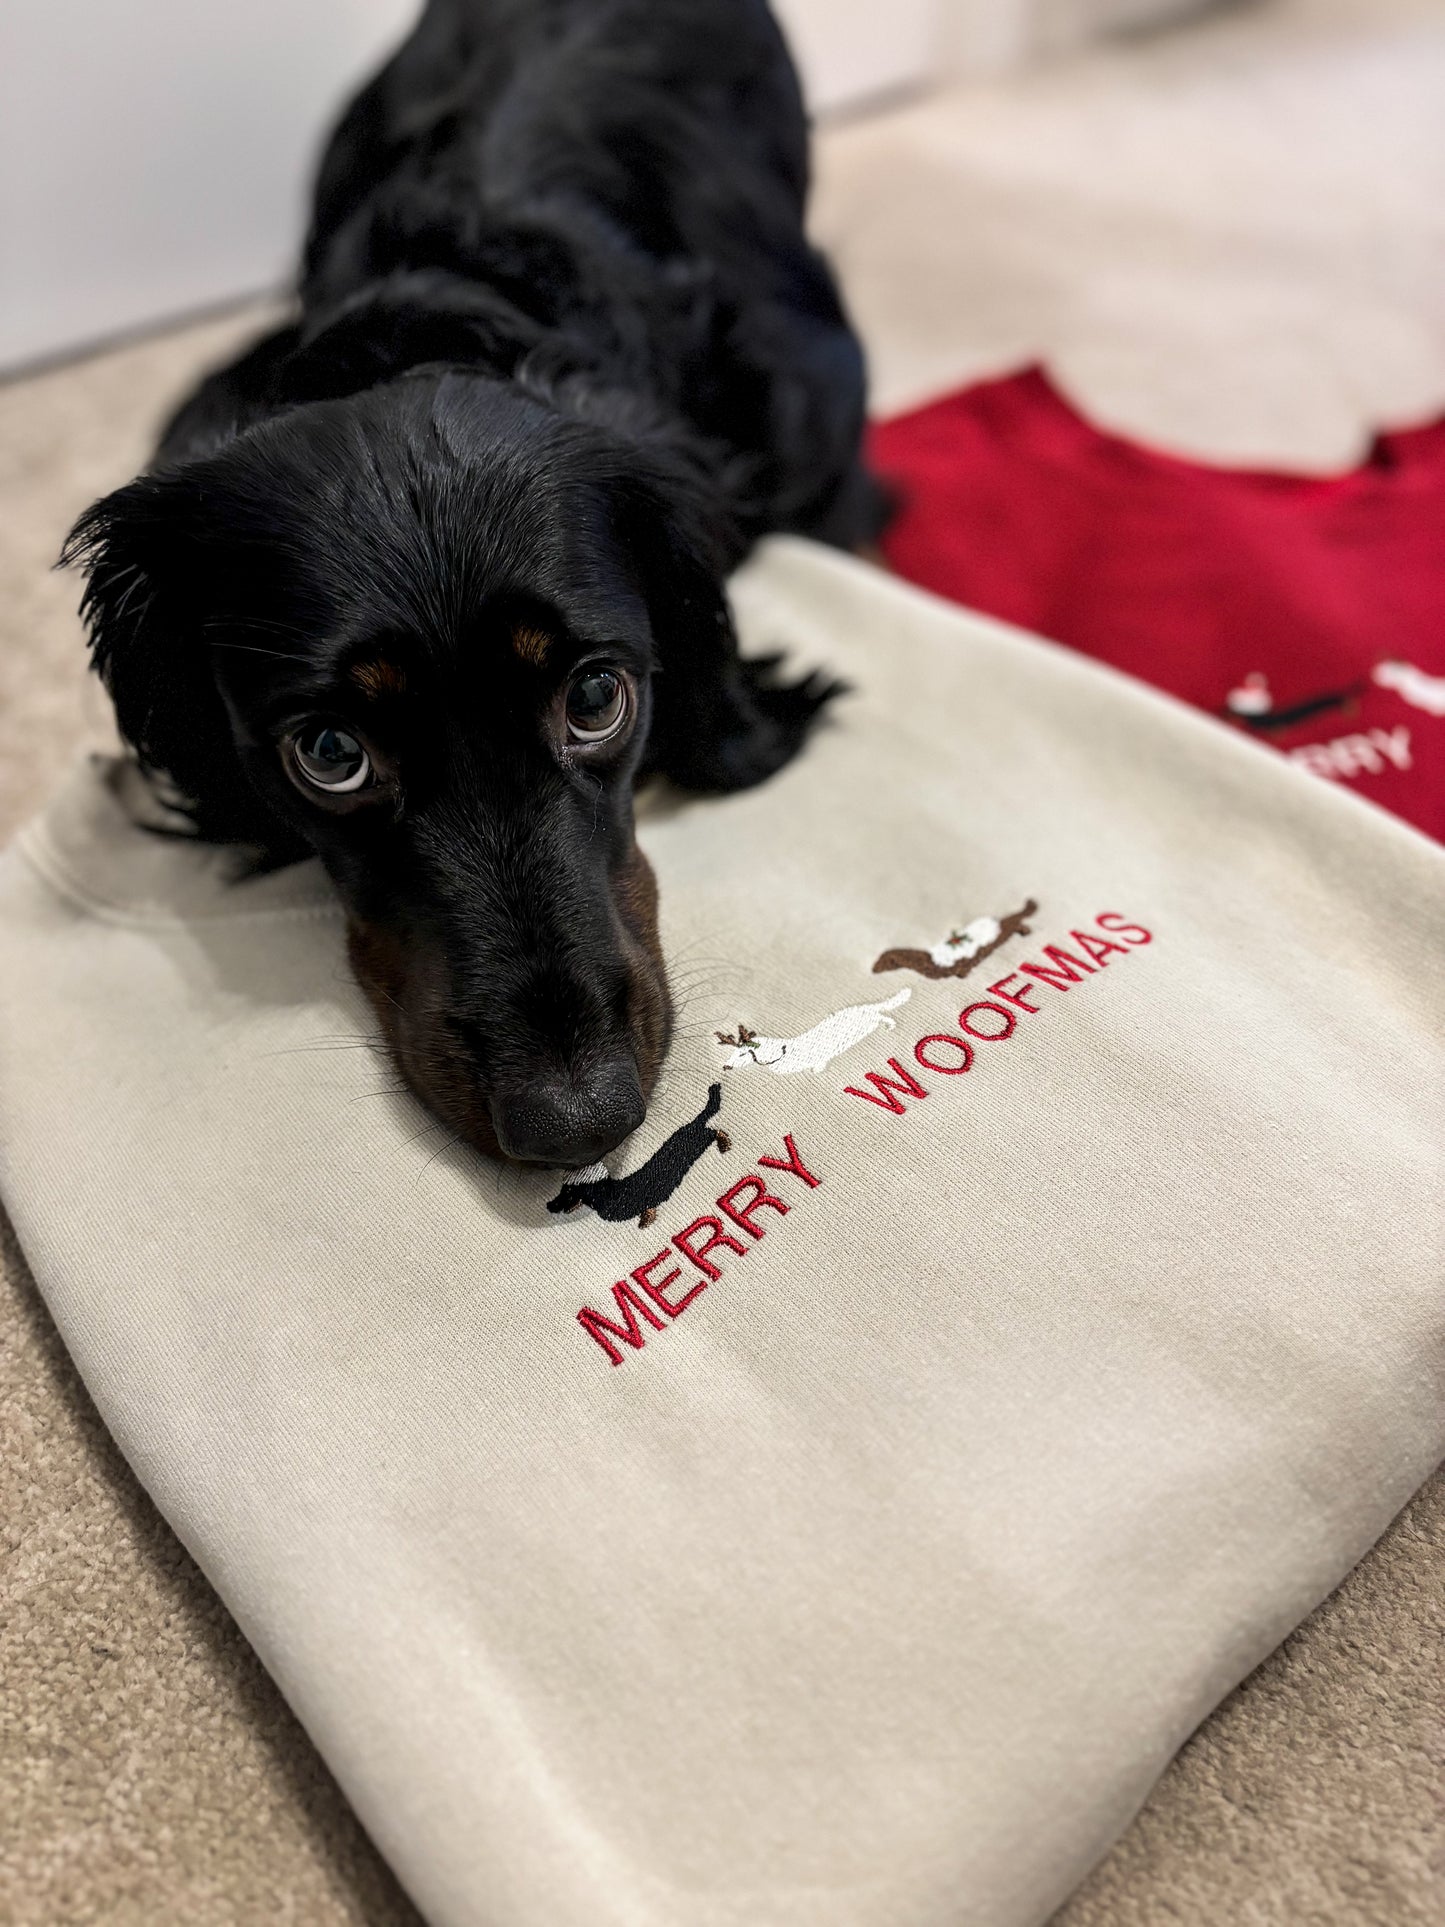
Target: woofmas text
<point x="1061" y="969"/>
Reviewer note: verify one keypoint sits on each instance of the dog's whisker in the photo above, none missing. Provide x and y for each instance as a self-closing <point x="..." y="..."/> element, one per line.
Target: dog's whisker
<point x="251" y="649"/>
<point x="689" y="969"/>
<point x="253" y="624"/>
<point x="690" y="986"/>
<point x="342" y="1037"/>
<point x="415" y="1137"/>
<point x="686" y="996"/>
<point x="382" y="990"/>
<point x="451" y="1140"/>
<point x="302" y="1050"/>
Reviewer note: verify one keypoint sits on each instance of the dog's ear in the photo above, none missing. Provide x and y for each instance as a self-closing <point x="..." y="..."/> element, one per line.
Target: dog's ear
<point x="144" y="558"/>
<point x="720" y="721"/>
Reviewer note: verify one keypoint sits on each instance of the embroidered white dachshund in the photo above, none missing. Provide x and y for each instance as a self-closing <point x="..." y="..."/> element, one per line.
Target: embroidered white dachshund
<point x="1418" y="689"/>
<point x="815" y="1049"/>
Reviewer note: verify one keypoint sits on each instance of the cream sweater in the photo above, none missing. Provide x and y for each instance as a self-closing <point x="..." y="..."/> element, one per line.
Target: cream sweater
<point x="852" y="1544"/>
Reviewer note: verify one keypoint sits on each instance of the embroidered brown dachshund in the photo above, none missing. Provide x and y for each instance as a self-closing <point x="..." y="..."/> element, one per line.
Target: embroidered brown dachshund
<point x="961" y="950"/>
<point x="639" y="1193"/>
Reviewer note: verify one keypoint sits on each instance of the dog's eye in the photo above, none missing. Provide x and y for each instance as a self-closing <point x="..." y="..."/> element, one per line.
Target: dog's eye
<point x="331" y="759"/>
<point x="596" y="706"/>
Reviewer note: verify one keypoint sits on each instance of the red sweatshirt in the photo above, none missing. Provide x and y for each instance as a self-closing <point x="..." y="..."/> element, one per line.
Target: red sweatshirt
<point x="1309" y="611"/>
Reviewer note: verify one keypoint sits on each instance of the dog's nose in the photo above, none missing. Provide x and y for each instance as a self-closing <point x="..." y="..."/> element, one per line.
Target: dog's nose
<point x="569" y="1121"/>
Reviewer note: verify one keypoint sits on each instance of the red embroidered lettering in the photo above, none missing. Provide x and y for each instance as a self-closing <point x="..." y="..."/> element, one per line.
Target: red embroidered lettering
<point x="1317" y="758"/>
<point x="1396" y="745"/>
<point x="887" y="1091"/>
<point x="1356" y="756"/>
<point x="595" y="1325"/>
<point x="1111" y="920"/>
<point x="656" y="1291"/>
<point x="1019" y="997"/>
<point x="762" y="1199"/>
<point x="1065" y="974"/>
<point x="988" y="1036"/>
<point x="955" y="1043"/>
<point x="792" y="1163"/>
<point x="717" y="1236"/>
<point x="1097" y="947"/>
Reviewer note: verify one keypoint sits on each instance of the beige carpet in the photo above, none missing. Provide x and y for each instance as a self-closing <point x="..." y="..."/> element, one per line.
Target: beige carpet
<point x="1229" y="241"/>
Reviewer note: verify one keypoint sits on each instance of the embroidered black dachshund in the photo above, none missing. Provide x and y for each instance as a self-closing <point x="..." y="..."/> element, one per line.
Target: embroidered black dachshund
<point x="962" y="950"/>
<point x="641" y="1191"/>
<point x="1252" y="706"/>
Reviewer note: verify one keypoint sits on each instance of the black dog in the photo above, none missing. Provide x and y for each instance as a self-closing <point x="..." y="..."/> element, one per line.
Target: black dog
<point x="424" y="581"/>
<point x="640" y="1193"/>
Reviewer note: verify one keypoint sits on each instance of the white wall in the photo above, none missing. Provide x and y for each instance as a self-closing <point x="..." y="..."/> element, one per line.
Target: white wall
<point x="155" y="154"/>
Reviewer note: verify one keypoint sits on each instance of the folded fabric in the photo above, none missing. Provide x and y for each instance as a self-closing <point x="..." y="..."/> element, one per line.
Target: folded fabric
<point x="1022" y="1304"/>
<point x="1307" y="610"/>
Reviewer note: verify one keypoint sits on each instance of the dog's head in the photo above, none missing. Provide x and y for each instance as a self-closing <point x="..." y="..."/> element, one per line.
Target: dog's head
<point x="432" y="633"/>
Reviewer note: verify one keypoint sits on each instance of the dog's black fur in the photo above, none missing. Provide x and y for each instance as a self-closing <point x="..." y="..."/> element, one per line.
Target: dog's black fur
<point x="562" y="354"/>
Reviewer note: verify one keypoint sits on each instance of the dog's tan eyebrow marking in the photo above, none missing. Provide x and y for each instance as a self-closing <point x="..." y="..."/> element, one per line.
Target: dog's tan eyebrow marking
<point x="377" y="679"/>
<point x="531" y="644"/>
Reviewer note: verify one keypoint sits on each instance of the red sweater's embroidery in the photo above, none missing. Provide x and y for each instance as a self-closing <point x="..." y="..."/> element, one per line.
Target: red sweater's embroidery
<point x="1304" y="610"/>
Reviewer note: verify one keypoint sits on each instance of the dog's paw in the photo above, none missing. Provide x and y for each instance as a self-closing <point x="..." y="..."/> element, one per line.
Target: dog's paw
<point x="769" y="724"/>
